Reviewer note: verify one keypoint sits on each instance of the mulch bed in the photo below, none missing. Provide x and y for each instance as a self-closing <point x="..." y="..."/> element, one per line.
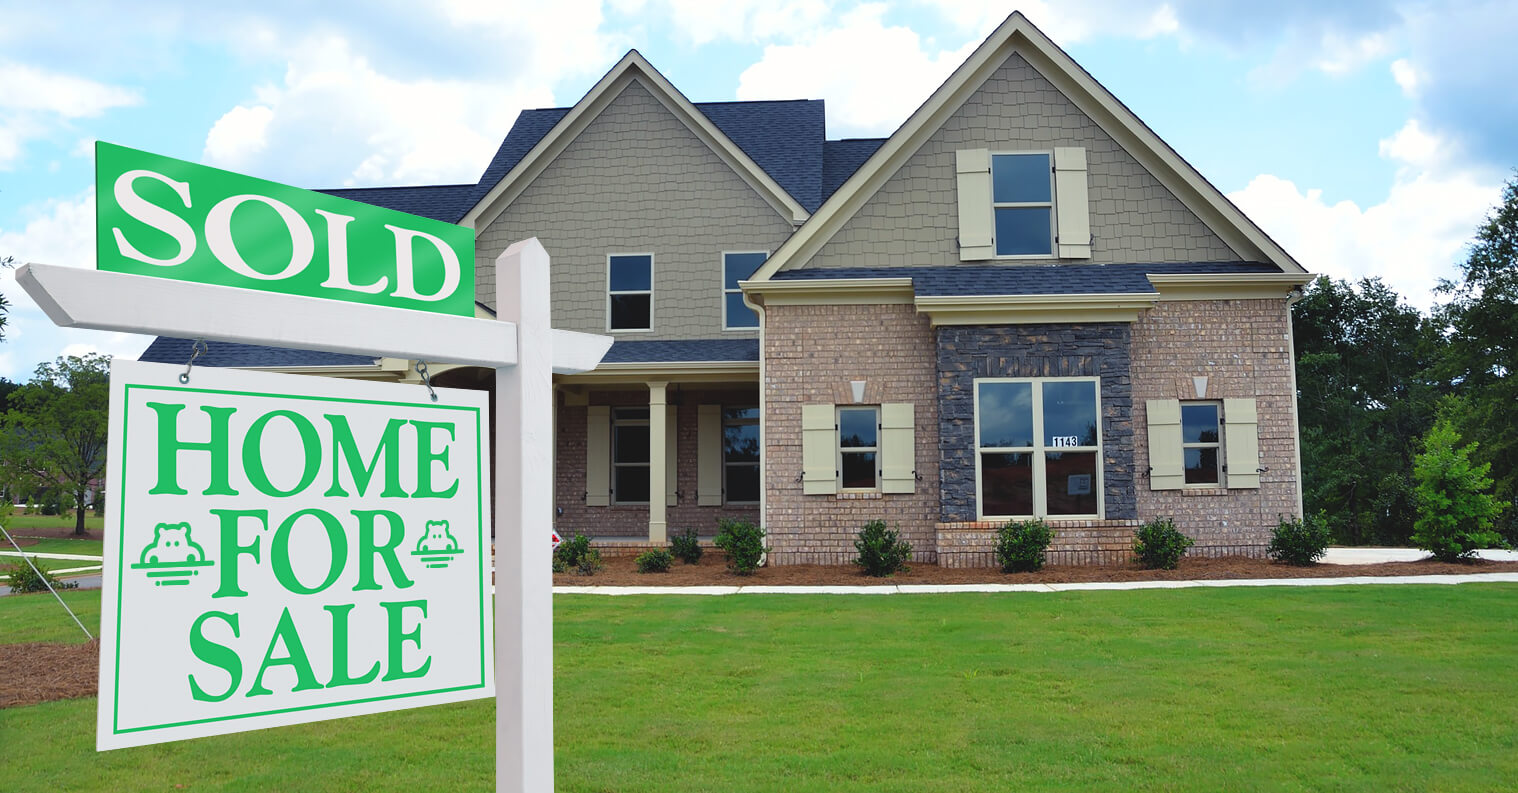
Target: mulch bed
<point x="45" y="671"/>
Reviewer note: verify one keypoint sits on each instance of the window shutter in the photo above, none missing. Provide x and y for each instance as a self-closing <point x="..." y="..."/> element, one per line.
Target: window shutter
<point x="1167" y="463"/>
<point x="671" y="472"/>
<point x="597" y="456"/>
<point x="1241" y="443"/>
<point x="973" y="169"/>
<point x="1072" y="211"/>
<point x="819" y="448"/>
<point x="898" y="448"/>
<point x="709" y="455"/>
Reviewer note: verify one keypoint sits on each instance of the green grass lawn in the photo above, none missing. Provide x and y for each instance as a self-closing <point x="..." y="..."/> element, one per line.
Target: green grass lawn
<point x="1367" y="688"/>
<point x="19" y="524"/>
<point x="52" y="545"/>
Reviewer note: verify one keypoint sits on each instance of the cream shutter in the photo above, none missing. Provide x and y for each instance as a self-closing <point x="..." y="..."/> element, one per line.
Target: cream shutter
<point x="671" y="471"/>
<point x="1072" y="211"/>
<point x="597" y="456"/>
<point x="819" y="449"/>
<point x="973" y="169"/>
<point x="1167" y="463"/>
<point x="898" y="448"/>
<point x="709" y="455"/>
<point x="1241" y="443"/>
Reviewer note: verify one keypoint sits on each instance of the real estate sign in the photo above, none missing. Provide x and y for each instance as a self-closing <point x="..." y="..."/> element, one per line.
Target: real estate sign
<point x="169" y="218"/>
<point x="286" y="548"/>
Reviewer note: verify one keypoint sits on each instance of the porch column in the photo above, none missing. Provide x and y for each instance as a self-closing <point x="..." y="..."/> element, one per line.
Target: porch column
<point x="658" y="527"/>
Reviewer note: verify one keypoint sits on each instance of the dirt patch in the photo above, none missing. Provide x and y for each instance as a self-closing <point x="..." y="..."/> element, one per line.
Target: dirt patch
<point x="45" y="671"/>
<point x="712" y="571"/>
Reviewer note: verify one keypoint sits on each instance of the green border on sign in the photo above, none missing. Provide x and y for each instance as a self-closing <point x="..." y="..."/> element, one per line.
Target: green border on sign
<point x="121" y="536"/>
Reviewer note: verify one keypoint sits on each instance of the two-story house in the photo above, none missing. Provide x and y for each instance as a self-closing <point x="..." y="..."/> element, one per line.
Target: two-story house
<point x="1022" y="303"/>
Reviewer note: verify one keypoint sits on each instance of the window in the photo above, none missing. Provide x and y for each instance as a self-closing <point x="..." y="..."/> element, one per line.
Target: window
<point x="629" y="291"/>
<point x="1038" y="447"/>
<point x="858" y="452"/>
<point x="1201" y="442"/>
<point x="740" y="455"/>
<point x="1022" y="200"/>
<point x="629" y="455"/>
<point x="737" y="267"/>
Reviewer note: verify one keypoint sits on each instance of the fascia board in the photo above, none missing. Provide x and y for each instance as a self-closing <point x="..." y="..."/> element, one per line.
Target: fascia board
<point x="1214" y="286"/>
<point x="675" y="371"/>
<point x="1026" y="309"/>
<point x="831" y="291"/>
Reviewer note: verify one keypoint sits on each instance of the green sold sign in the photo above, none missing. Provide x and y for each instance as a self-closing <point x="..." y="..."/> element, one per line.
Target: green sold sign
<point x="169" y="218"/>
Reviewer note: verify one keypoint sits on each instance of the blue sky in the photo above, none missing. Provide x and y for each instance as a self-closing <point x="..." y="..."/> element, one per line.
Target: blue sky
<point x="1369" y="138"/>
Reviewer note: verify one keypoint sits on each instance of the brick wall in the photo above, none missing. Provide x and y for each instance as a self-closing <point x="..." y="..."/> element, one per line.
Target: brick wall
<point x="811" y="355"/>
<point x="1243" y="348"/>
<point x="1087" y="542"/>
<point x="632" y="520"/>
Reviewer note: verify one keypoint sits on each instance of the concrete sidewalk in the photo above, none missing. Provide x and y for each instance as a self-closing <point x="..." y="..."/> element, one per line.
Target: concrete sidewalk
<point x="1379" y="555"/>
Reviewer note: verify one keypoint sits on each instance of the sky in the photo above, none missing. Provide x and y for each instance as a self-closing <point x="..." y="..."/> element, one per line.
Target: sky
<point x="1369" y="138"/>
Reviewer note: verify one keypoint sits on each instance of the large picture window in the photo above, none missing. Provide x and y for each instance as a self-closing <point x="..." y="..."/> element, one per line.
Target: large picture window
<point x="1022" y="200"/>
<point x="1038" y="447"/>
<point x="629" y="455"/>
<point x="630" y="292"/>
<point x="740" y="455"/>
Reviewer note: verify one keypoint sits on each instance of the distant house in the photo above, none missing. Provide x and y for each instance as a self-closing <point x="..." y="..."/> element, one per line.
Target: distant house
<point x="1022" y="303"/>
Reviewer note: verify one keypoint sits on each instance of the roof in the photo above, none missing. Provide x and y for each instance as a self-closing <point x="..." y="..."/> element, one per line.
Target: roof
<point x="683" y="351"/>
<point x="1053" y="279"/>
<point x="443" y="202"/>
<point x="530" y="127"/>
<point x="841" y="158"/>
<point x="166" y="349"/>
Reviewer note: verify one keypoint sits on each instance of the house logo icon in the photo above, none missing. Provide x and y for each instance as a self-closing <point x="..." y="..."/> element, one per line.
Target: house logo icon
<point x="173" y="556"/>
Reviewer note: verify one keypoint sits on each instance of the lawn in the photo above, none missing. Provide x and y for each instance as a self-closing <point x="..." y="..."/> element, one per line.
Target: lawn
<point x="19" y="524"/>
<point x="1370" y="688"/>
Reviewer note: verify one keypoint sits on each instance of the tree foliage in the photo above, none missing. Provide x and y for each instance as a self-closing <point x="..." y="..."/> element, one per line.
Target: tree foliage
<point x="1455" y="508"/>
<point x="5" y="305"/>
<point x="54" y="433"/>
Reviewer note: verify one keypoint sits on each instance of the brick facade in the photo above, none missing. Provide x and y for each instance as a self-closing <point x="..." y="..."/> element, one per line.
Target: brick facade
<point x="811" y="355"/>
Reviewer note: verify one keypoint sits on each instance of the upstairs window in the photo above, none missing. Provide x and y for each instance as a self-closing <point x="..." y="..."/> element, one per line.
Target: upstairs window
<point x="630" y="291"/>
<point x="737" y="267"/>
<point x="1022" y="200"/>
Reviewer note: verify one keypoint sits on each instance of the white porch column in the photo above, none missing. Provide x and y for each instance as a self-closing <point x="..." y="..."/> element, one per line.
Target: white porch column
<point x="658" y="526"/>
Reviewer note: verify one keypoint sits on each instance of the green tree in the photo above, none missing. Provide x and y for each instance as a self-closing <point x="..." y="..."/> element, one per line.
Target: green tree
<point x="54" y="434"/>
<point x="1455" y="506"/>
<point x="5" y="305"/>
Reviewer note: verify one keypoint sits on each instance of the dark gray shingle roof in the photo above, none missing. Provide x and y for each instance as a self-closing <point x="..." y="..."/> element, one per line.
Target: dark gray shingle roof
<point x="165" y="349"/>
<point x="1054" y="279"/>
<point x="445" y="202"/>
<point x="841" y="158"/>
<point x="683" y="351"/>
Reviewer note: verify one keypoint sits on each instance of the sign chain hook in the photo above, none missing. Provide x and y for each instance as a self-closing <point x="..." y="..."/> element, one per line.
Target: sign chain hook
<point x="197" y="349"/>
<point x="421" y="369"/>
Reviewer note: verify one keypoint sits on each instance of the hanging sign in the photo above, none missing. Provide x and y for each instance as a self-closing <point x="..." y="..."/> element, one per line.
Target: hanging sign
<point x="287" y="548"/>
<point x="169" y="218"/>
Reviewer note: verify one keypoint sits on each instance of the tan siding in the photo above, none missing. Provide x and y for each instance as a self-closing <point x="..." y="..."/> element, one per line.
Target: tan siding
<point x="635" y="181"/>
<point x="913" y="220"/>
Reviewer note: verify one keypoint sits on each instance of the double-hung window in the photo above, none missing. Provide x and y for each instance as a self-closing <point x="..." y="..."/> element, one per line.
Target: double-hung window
<point x="629" y="455"/>
<point x="1038" y="447"/>
<point x="858" y="448"/>
<point x="630" y="291"/>
<point x="1202" y="442"/>
<point x="737" y="267"/>
<point x="740" y="455"/>
<point x="1022" y="203"/>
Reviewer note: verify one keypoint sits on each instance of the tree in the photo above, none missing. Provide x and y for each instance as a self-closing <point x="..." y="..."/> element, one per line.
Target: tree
<point x="5" y="305"/>
<point x="54" y="434"/>
<point x="1455" y="509"/>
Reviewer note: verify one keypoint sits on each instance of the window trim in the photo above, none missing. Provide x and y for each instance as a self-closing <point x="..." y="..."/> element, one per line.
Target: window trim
<point x="1052" y="204"/>
<point x="722" y="283"/>
<point x="611" y="448"/>
<point x="1038" y="450"/>
<point x="1222" y="455"/>
<point x="650" y="292"/>
<point x="838" y="451"/>
<point x="758" y="466"/>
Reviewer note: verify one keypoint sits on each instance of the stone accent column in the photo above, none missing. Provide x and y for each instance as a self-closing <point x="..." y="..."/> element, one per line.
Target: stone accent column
<point x="658" y="525"/>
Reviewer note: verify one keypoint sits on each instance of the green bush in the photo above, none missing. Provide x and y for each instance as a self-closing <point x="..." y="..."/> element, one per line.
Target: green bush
<point x="655" y="561"/>
<point x="1158" y="545"/>
<point x="1300" y="541"/>
<point x="1456" y="510"/>
<point x="686" y="547"/>
<point x="572" y="553"/>
<point x="24" y="579"/>
<point x="743" y="542"/>
<point x="882" y="552"/>
<point x="589" y="563"/>
<point x="1022" y="544"/>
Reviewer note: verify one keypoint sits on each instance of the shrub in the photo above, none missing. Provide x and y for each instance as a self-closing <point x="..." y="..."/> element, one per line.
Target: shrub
<point x="589" y="563"/>
<point x="685" y="546"/>
<point x="655" y="561"/>
<point x="1456" y="509"/>
<point x="744" y="543"/>
<point x="572" y="552"/>
<point x="881" y="550"/>
<point x="1158" y="545"/>
<point x="1300" y="541"/>
<point x="1021" y="545"/>
<point x="24" y="579"/>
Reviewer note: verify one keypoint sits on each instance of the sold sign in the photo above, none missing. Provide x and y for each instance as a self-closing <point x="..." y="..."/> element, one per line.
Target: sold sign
<point x="173" y="219"/>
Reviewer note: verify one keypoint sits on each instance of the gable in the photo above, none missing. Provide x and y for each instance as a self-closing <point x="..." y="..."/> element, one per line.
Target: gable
<point x="912" y="219"/>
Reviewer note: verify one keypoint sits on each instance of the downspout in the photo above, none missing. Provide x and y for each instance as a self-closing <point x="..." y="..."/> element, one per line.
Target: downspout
<point x="1292" y="298"/>
<point x="764" y="458"/>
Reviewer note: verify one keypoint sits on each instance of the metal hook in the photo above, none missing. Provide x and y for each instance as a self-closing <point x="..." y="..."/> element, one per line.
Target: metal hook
<point x="421" y="369"/>
<point x="197" y="349"/>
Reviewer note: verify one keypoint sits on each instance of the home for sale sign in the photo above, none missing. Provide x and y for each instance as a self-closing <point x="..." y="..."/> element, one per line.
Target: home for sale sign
<point x="287" y="548"/>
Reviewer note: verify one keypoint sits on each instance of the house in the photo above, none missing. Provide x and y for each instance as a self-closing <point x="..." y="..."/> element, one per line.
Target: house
<point x="1021" y="303"/>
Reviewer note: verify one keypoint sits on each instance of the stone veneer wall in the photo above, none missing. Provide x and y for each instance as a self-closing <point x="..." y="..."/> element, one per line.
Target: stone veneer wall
<point x="631" y="521"/>
<point x="1243" y="347"/>
<point x="967" y="352"/>
<point x="811" y="354"/>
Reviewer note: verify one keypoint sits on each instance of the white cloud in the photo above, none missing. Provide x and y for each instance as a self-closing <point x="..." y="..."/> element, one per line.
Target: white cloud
<point x="1407" y="76"/>
<point x="702" y="21"/>
<point x="1411" y="239"/>
<point x="239" y="136"/>
<point x="35" y="102"/>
